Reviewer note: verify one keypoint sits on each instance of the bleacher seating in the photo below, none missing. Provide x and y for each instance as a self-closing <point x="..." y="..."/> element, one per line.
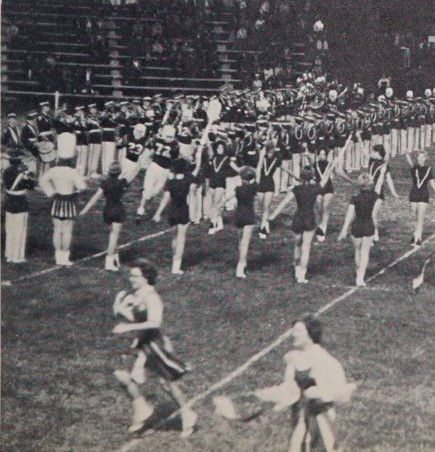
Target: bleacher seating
<point x="55" y="33"/>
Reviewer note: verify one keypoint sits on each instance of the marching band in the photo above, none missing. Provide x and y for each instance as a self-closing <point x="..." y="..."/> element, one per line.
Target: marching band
<point x="278" y="133"/>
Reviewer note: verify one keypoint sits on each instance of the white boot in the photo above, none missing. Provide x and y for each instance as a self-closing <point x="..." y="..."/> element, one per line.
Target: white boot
<point x="176" y="267"/>
<point x="64" y="258"/>
<point x="301" y="276"/>
<point x="141" y="412"/>
<point x="297" y="271"/>
<point x="188" y="419"/>
<point x="109" y="263"/>
<point x="58" y="257"/>
<point x="220" y="224"/>
<point x="240" y="272"/>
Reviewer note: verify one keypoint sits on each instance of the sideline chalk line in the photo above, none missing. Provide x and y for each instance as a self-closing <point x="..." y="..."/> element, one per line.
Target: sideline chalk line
<point x="279" y="340"/>
<point x="84" y="259"/>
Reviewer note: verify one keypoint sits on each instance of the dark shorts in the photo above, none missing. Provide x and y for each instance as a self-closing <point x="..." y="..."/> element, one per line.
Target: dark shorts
<point x="218" y="182"/>
<point x="266" y="185"/>
<point x="115" y="214"/>
<point x="245" y="218"/>
<point x="303" y="223"/>
<point x="362" y="229"/>
<point x="419" y="196"/>
<point x="328" y="188"/>
<point x="178" y="215"/>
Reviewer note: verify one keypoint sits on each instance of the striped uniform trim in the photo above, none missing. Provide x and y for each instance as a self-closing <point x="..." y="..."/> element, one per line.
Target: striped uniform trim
<point x="64" y="207"/>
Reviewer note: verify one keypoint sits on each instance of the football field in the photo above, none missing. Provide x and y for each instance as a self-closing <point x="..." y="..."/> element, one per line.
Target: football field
<point x="58" y="352"/>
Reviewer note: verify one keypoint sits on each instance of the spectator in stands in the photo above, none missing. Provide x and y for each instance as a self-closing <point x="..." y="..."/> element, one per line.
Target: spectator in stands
<point x="133" y="72"/>
<point x="257" y="83"/>
<point x="99" y="49"/>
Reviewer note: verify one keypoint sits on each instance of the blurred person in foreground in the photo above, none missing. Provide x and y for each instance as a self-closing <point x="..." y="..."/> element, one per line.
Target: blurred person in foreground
<point x="141" y="309"/>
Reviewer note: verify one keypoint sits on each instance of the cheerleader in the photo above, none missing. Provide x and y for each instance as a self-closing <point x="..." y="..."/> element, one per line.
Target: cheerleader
<point x="219" y="166"/>
<point x="304" y="224"/>
<point x="61" y="183"/>
<point x="326" y="193"/>
<point x="422" y="177"/>
<point x="269" y="163"/>
<point x="17" y="180"/>
<point x="360" y="213"/>
<point x="143" y="309"/>
<point x="376" y="163"/>
<point x="245" y="215"/>
<point x="113" y="188"/>
<point x="314" y="381"/>
<point x="176" y="192"/>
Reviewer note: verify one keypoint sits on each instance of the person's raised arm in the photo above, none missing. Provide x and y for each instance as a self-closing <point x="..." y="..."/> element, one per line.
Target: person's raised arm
<point x="97" y="195"/>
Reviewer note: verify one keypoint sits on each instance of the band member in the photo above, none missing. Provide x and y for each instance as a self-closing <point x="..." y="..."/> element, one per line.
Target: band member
<point x="108" y="139"/>
<point x="17" y="180"/>
<point x="269" y="163"/>
<point x="61" y="183"/>
<point x="142" y="308"/>
<point x="412" y="122"/>
<point x="113" y="188"/>
<point x="361" y="213"/>
<point x="95" y="139"/>
<point x="422" y="177"/>
<point x="166" y="150"/>
<point x="177" y="190"/>
<point x="304" y="224"/>
<point x="376" y="162"/>
<point x="80" y="129"/>
<point x="11" y="137"/>
<point x="45" y="119"/>
<point x="29" y="138"/>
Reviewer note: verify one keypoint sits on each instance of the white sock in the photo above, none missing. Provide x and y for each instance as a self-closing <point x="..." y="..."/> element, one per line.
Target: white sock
<point x="176" y="266"/>
<point x="240" y="271"/>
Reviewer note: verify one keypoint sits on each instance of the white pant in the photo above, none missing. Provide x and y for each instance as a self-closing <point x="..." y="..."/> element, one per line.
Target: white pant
<point x="129" y="169"/>
<point x="386" y="141"/>
<point x="155" y="180"/>
<point x="403" y="141"/>
<point x="365" y="154"/>
<point x="16" y="236"/>
<point x="82" y="159"/>
<point x="107" y="156"/>
<point x="94" y="156"/>
<point x="296" y="159"/>
<point x="428" y="136"/>
<point x="394" y="142"/>
<point x="411" y="139"/>
<point x="284" y="179"/>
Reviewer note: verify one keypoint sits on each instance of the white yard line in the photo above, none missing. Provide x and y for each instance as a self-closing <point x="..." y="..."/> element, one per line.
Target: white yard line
<point x="85" y="259"/>
<point x="278" y="341"/>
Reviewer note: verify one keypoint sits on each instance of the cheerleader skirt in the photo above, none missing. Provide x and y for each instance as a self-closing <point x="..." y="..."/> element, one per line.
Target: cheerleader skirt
<point x="64" y="207"/>
<point x="159" y="359"/>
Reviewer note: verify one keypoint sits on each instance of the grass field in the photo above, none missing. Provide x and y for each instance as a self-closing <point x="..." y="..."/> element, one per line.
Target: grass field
<point x="58" y="353"/>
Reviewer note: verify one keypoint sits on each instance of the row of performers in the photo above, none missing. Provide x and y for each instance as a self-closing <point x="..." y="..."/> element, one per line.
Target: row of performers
<point x="193" y="190"/>
<point x="399" y="125"/>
